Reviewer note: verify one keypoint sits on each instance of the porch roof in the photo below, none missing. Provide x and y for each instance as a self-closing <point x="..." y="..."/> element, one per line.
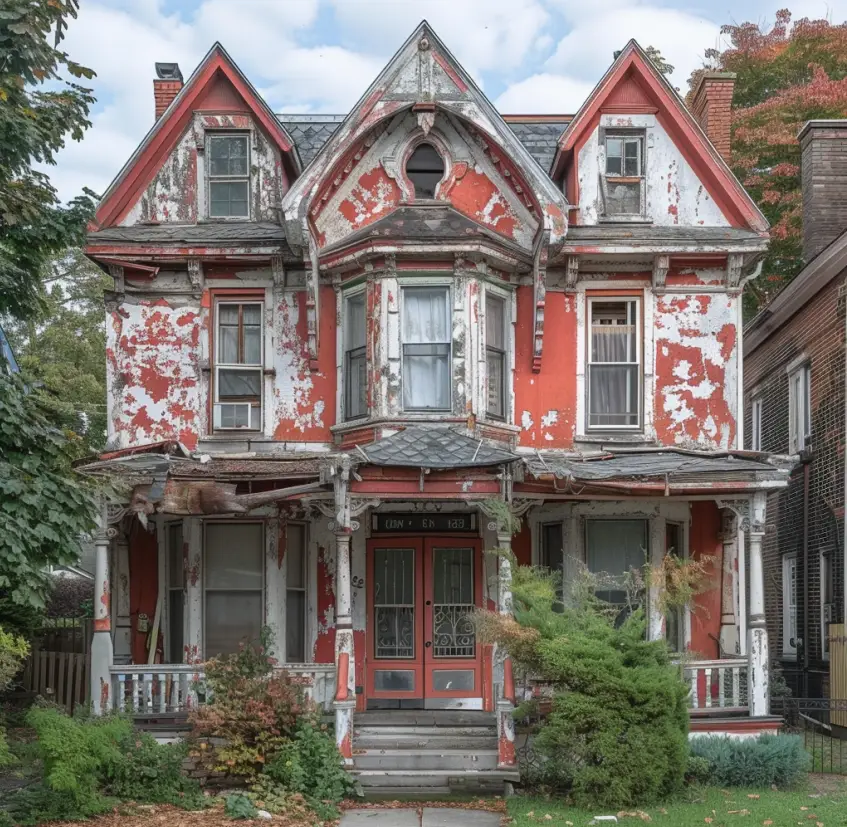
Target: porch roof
<point x="434" y="447"/>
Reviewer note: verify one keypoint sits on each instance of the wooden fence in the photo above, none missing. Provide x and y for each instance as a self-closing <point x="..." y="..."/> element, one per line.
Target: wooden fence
<point x="838" y="671"/>
<point x="60" y="677"/>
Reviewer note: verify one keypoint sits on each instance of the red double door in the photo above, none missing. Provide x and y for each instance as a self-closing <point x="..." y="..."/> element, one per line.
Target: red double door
<point x="422" y="647"/>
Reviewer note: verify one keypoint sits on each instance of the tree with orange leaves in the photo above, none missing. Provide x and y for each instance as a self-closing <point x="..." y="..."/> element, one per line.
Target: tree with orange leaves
<point x="786" y="76"/>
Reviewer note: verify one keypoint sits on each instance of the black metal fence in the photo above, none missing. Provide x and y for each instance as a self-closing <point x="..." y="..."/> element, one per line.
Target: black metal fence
<point x="822" y="724"/>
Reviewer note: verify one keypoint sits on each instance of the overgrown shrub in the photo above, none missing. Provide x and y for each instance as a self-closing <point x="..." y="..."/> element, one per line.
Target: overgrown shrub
<point x="252" y="712"/>
<point x="759" y="762"/>
<point x="311" y="765"/>
<point x="239" y="806"/>
<point x="617" y="733"/>
<point x="13" y="650"/>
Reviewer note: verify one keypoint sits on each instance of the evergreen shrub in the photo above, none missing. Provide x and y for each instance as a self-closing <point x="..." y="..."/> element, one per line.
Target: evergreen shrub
<point x="779" y="760"/>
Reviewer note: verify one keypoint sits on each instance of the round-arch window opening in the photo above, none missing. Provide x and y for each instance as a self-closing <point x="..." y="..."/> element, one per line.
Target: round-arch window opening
<point x="425" y="168"/>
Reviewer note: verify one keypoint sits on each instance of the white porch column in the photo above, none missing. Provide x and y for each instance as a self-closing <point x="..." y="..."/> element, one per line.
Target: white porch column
<point x="275" y="584"/>
<point x="102" y="651"/>
<point x="193" y="543"/>
<point x="658" y="549"/>
<point x="505" y="703"/>
<point x="757" y="632"/>
<point x="729" y="638"/>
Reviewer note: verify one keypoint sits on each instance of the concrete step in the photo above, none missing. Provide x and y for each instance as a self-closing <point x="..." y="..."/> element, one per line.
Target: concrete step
<point x="454" y="780"/>
<point x="425" y="717"/>
<point x="424" y="741"/>
<point x="415" y="760"/>
<point x="369" y="730"/>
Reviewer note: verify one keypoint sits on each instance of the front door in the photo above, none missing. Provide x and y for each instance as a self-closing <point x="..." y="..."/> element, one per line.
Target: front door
<point x="422" y="649"/>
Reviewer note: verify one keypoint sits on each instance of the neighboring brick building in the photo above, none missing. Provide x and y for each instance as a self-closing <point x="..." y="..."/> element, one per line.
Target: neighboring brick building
<point x="794" y="403"/>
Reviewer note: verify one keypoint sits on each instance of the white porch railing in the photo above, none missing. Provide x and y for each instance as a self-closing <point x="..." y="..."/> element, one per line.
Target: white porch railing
<point x="177" y="688"/>
<point x="717" y="684"/>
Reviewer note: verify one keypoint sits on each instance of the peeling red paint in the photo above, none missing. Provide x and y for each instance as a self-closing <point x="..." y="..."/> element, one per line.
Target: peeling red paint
<point x="375" y="195"/>
<point x="478" y="197"/>
<point x="325" y="643"/>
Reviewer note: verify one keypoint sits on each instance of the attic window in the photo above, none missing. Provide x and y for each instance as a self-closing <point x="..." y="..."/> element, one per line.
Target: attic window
<point x="425" y="169"/>
<point x="623" y="182"/>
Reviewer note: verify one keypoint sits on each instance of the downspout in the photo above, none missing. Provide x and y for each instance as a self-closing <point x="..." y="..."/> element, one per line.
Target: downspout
<point x="806" y="580"/>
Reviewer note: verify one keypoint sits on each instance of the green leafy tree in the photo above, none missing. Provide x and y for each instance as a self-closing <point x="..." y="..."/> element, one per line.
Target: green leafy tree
<point x="659" y="61"/>
<point x="786" y="75"/>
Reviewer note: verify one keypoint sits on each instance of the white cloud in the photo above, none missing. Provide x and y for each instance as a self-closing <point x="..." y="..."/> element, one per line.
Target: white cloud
<point x="543" y="94"/>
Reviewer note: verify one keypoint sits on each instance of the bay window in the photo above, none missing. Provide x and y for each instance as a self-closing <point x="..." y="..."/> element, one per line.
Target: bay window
<point x="426" y="338"/>
<point x="495" y="355"/>
<point x="238" y="366"/>
<point x="229" y="176"/>
<point x="614" y="369"/>
<point x="355" y="360"/>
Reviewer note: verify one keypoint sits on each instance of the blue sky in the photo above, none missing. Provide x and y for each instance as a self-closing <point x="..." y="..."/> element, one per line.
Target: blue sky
<point x="320" y="55"/>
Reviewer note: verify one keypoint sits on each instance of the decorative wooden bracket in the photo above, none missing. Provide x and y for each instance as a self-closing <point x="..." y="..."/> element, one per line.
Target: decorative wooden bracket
<point x="195" y="273"/>
<point x="571" y="274"/>
<point x="734" y="268"/>
<point x="661" y="265"/>
<point x="539" y="280"/>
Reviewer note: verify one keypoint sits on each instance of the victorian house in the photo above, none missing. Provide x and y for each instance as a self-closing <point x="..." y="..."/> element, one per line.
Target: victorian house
<point x="339" y="346"/>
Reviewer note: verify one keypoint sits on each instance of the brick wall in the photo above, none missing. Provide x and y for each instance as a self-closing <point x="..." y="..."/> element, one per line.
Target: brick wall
<point x="817" y="331"/>
<point x="164" y="91"/>
<point x="711" y="105"/>
<point x="824" y="174"/>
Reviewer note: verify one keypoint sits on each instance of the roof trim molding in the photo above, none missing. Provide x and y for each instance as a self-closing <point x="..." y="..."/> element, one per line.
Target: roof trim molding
<point x="686" y="132"/>
<point x="166" y="131"/>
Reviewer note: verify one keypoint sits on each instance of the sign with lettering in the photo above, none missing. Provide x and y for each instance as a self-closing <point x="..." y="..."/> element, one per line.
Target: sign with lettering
<point x="421" y="523"/>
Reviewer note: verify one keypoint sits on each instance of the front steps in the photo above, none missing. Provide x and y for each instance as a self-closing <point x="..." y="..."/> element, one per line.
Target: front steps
<point x="427" y="752"/>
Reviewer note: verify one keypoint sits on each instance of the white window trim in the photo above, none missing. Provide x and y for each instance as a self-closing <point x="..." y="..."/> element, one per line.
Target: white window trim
<point x="346" y="295"/>
<point x="756" y="424"/>
<point x="508" y="334"/>
<point x="788" y="651"/>
<point x="797" y="440"/>
<point x="624" y="134"/>
<point x="259" y="366"/>
<point x="411" y="285"/>
<point x="639" y="349"/>
<point x="209" y="178"/>
<point x="823" y="554"/>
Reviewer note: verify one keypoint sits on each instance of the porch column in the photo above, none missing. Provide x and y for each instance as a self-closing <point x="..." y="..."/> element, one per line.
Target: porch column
<point x="102" y="650"/>
<point x="757" y="632"/>
<point x="506" y="702"/>
<point x="193" y="559"/>
<point x="729" y="627"/>
<point x="275" y="583"/>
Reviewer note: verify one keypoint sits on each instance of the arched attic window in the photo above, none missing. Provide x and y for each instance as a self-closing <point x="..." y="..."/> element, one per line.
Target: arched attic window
<point x="425" y="168"/>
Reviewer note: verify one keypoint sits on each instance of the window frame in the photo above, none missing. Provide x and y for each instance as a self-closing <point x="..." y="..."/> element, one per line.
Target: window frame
<point x="825" y="562"/>
<point x="638" y="136"/>
<point x="258" y="367"/>
<point x="799" y="440"/>
<point x="682" y="612"/>
<point x="170" y="655"/>
<point x="447" y="288"/>
<point x="639" y="362"/>
<point x="211" y="136"/>
<point x="789" y="650"/>
<point x="503" y="353"/>
<point x="346" y="356"/>
<point x="304" y="589"/>
<point x="413" y="185"/>
<point x="756" y="424"/>
<point x="205" y="576"/>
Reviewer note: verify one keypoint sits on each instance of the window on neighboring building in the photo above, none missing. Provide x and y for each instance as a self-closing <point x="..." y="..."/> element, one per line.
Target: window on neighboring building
<point x="623" y="183"/>
<point x="614" y="370"/>
<point x="756" y="425"/>
<point x="827" y="600"/>
<point x="228" y="159"/>
<point x="495" y="354"/>
<point x="674" y="620"/>
<point x="233" y="586"/>
<point x="616" y="552"/>
<point x="426" y="349"/>
<point x="238" y="366"/>
<point x="176" y="593"/>
<point x="295" y="594"/>
<point x="799" y="409"/>
<point x="425" y="169"/>
<point x="789" y="605"/>
<point x="355" y="361"/>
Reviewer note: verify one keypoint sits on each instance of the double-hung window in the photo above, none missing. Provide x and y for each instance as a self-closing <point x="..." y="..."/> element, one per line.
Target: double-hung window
<point x="176" y="593"/>
<point x="238" y="366"/>
<point x="426" y="336"/>
<point x="799" y="409"/>
<point x="623" y="182"/>
<point x="234" y="581"/>
<point x="229" y="176"/>
<point x="789" y="605"/>
<point x="295" y="593"/>
<point x="614" y="369"/>
<point x="756" y="424"/>
<point x="495" y="355"/>
<point x="355" y="361"/>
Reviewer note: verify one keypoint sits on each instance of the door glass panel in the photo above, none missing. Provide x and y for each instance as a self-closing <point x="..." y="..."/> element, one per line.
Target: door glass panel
<point x="453" y="631"/>
<point x="394" y="603"/>
<point x="394" y="680"/>
<point x="453" y="680"/>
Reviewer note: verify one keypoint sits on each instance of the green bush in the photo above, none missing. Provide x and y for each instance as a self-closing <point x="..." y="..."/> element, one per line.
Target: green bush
<point x="617" y="733"/>
<point x="760" y="762"/>
<point x="239" y="806"/>
<point x="40" y="803"/>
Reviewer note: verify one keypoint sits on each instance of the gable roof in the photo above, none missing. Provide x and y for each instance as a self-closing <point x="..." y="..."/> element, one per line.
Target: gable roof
<point x="634" y="81"/>
<point x="153" y="150"/>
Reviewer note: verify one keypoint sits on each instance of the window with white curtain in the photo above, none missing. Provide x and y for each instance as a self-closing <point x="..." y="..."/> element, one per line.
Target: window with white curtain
<point x="614" y="369"/>
<point x="789" y="605"/>
<point x="355" y="360"/>
<point x="495" y="354"/>
<point x="616" y="551"/>
<point x="426" y="337"/>
<point x="233" y="586"/>
<point x="799" y="409"/>
<point x="295" y="593"/>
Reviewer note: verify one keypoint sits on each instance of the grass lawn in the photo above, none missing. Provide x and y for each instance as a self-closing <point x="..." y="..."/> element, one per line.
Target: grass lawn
<point x="718" y="808"/>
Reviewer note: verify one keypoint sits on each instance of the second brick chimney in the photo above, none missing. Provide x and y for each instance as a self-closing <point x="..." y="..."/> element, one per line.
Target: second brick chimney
<point x="711" y="105"/>
<point x="166" y="86"/>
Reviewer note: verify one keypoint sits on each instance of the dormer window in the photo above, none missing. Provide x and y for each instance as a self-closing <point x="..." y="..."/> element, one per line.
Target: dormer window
<point x="623" y="182"/>
<point x="425" y="169"/>
<point x="229" y="176"/>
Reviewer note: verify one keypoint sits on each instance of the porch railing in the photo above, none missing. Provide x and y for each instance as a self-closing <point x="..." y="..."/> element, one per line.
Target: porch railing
<point x="163" y="689"/>
<point x="717" y="684"/>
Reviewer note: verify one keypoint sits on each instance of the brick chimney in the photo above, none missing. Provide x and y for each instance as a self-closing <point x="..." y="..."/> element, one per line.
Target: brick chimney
<point x="166" y="86"/>
<point x="823" y="145"/>
<point x="711" y="105"/>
